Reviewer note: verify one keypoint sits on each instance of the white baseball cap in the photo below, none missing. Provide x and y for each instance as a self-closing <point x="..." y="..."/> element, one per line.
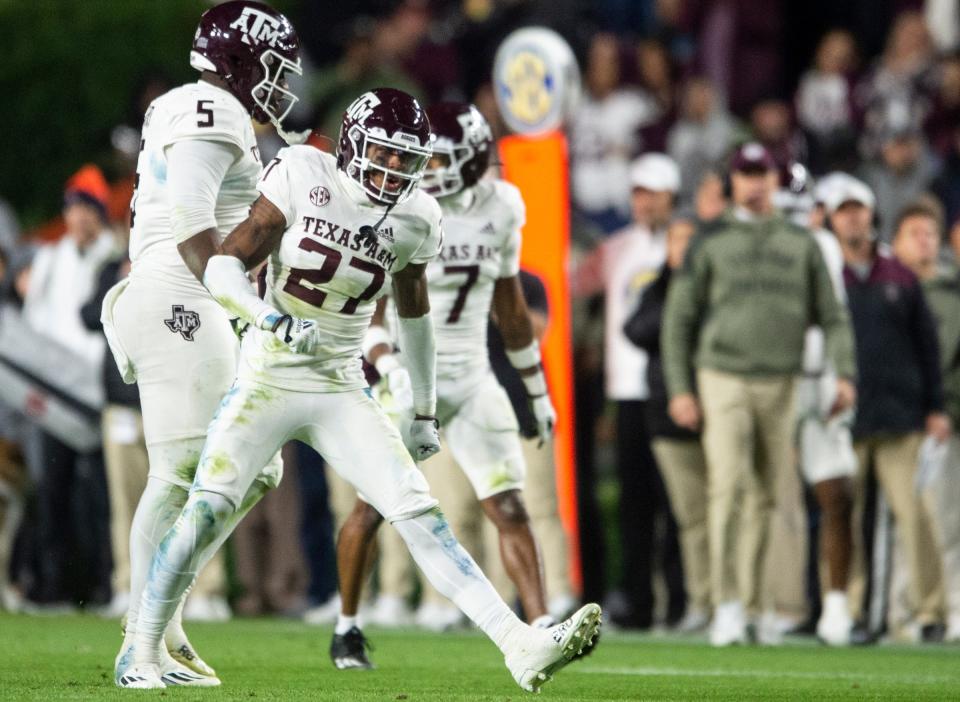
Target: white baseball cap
<point x="842" y="187"/>
<point x="656" y="172"/>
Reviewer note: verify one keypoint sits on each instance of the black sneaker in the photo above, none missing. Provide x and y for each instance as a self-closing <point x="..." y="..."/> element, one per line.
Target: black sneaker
<point x="350" y="650"/>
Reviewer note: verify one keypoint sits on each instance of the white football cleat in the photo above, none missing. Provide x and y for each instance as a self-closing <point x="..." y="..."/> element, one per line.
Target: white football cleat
<point x="835" y="624"/>
<point x="135" y="676"/>
<point x="534" y="655"/>
<point x="184" y="654"/>
<point x="729" y="624"/>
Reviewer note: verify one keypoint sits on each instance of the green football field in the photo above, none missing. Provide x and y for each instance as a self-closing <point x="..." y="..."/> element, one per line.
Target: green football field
<point x="60" y="658"/>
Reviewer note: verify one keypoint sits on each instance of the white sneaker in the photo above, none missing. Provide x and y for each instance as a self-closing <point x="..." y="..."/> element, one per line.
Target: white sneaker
<point x="729" y="624"/>
<point x="772" y="627"/>
<point x="390" y="612"/>
<point x="325" y="614"/>
<point x="953" y="629"/>
<point x="206" y="608"/>
<point x="10" y="599"/>
<point x="835" y="624"/>
<point x="694" y="620"/>
<point x="534" y="655"/>
<point x="437" y="617"/>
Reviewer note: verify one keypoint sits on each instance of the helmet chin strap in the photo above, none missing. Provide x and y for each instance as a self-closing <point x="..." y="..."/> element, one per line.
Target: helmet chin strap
<point x="370" y="233"/>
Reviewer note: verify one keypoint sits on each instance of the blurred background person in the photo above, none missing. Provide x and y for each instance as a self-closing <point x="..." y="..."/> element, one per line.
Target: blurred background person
<point x="900" y="397"/>
<point x="678" y="451"/>
<point x="916" y="244"/>
<point x="623" y="266"/>
<point x="603" y="138"/>
<point x="735" y="320"/>
<point x="71" y="495"/>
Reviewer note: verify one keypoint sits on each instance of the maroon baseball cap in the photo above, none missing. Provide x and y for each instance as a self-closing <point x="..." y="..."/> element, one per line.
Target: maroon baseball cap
<point x="752" y="157"/>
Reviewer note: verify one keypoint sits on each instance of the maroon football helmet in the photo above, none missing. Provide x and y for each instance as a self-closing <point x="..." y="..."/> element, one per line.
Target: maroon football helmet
<point x="252" y="47"/>
<point x="384" y="144"/>
<point x="464" y="141"/>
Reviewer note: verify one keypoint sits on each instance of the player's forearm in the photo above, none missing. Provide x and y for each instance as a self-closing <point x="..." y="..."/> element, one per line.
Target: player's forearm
<point x="198" y="249"/>
<point x="419" y="347"/>
<point x="225" y="277"/>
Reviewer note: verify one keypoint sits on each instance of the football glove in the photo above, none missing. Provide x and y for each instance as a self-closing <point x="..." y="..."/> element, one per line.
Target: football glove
<point x="423" y="438"/>
<point x="299" y="334"/>
<point x="545" y="415"/>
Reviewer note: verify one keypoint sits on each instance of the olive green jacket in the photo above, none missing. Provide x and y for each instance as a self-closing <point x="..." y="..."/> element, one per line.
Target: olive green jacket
<point x="744" y="299"/>
<point x="943" y="297"/>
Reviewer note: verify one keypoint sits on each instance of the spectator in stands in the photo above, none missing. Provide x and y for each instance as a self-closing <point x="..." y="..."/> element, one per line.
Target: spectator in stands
<point x="735" y="321"/>
<point x="603" y="138"/>
<point x="900" y="391"/>
<point x="897" y="89"/>
<point x="772" y="125"/>
<point x="904" y="170"/>
<point x="941" y="123"/>
<point x="824" y="102"/>
<point x="622" y="267"/>
<point x="701" y="137"/>
<point x="63" y="276"/>
<point x="678" y="450"/>
<point x="656" y="74"/>
<point x="947" y="184"/>
<point x="916" y="244"/>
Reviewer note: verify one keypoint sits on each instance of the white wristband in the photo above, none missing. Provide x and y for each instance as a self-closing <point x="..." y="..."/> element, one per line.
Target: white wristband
<point x="527" y="357"/>
<point x="375" y="336"/>
<point x="535" y="384"/>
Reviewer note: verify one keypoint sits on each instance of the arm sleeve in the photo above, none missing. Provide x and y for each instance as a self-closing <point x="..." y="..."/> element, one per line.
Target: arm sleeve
<point x="681" y="318"/>
<point x="419" y="346"/>
<point x="510" y="255"/>
<point x="195" y="171"/>
<point x="274" y="184"/>
<point x="430" y="246"/>
<point x="830" y="314"/>
<point x="924" y="333"/>
<point x="227" y="282"/>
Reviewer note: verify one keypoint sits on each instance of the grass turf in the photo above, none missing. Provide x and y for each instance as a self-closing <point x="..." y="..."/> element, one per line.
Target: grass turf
<point x="71" y="658"/>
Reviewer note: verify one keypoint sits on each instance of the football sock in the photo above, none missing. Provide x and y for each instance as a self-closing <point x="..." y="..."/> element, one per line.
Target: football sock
<point x="344" y="624"/>
<point x="175" y="565"/>
<point x="157" y="510"/>
<point x="456" y="575"/>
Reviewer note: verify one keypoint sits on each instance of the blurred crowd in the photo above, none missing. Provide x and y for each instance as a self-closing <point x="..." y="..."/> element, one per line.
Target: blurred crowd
<point x="697" y="128"/>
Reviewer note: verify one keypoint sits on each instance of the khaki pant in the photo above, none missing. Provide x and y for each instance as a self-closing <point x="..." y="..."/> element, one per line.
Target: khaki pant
<point x="748" y="443"/>
<point x="894" y="461"/>
<point x="785" y="566"/>
<point x="942" y="500"/>
<point x="394" y="566"/>
<point x="684" y="469"/>
<point x="125" y="460"/>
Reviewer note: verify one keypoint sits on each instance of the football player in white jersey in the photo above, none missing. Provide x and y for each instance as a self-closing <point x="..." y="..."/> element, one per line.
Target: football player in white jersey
<point x="196" y="180"/>
<point x="475" y="273"/>
<point x="336" y="232"/>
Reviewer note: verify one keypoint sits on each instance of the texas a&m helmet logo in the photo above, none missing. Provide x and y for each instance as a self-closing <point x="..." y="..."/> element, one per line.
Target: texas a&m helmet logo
<point x="319" y="196"/>
<point x="183" y="321"/>
<point x="257" y="27"/>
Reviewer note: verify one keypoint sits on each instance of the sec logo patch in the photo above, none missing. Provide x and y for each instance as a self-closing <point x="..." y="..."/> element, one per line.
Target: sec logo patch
<point x="319" y="196"/>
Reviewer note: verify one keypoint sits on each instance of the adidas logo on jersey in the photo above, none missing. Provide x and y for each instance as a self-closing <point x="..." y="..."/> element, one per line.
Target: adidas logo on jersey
<point x="488" y="228"/>
<point x="385" y="233"/>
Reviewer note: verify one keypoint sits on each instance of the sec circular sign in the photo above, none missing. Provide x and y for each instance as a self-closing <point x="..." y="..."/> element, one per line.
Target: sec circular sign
<point x="536" y="80"/>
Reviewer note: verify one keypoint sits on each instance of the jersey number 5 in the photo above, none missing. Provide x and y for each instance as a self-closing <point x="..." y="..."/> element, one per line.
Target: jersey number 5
<point x="325" y="273"/>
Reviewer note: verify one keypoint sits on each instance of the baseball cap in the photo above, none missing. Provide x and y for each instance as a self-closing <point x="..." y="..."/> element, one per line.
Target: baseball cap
<point x="656" y="172"/>
<point x="845" y="188"/>
<point x="88" y="186"/>
<point x="752" y="156"/>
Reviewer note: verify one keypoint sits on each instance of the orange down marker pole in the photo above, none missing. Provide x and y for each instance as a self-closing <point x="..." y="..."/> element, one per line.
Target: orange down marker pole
<point x="539" y="167"/>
